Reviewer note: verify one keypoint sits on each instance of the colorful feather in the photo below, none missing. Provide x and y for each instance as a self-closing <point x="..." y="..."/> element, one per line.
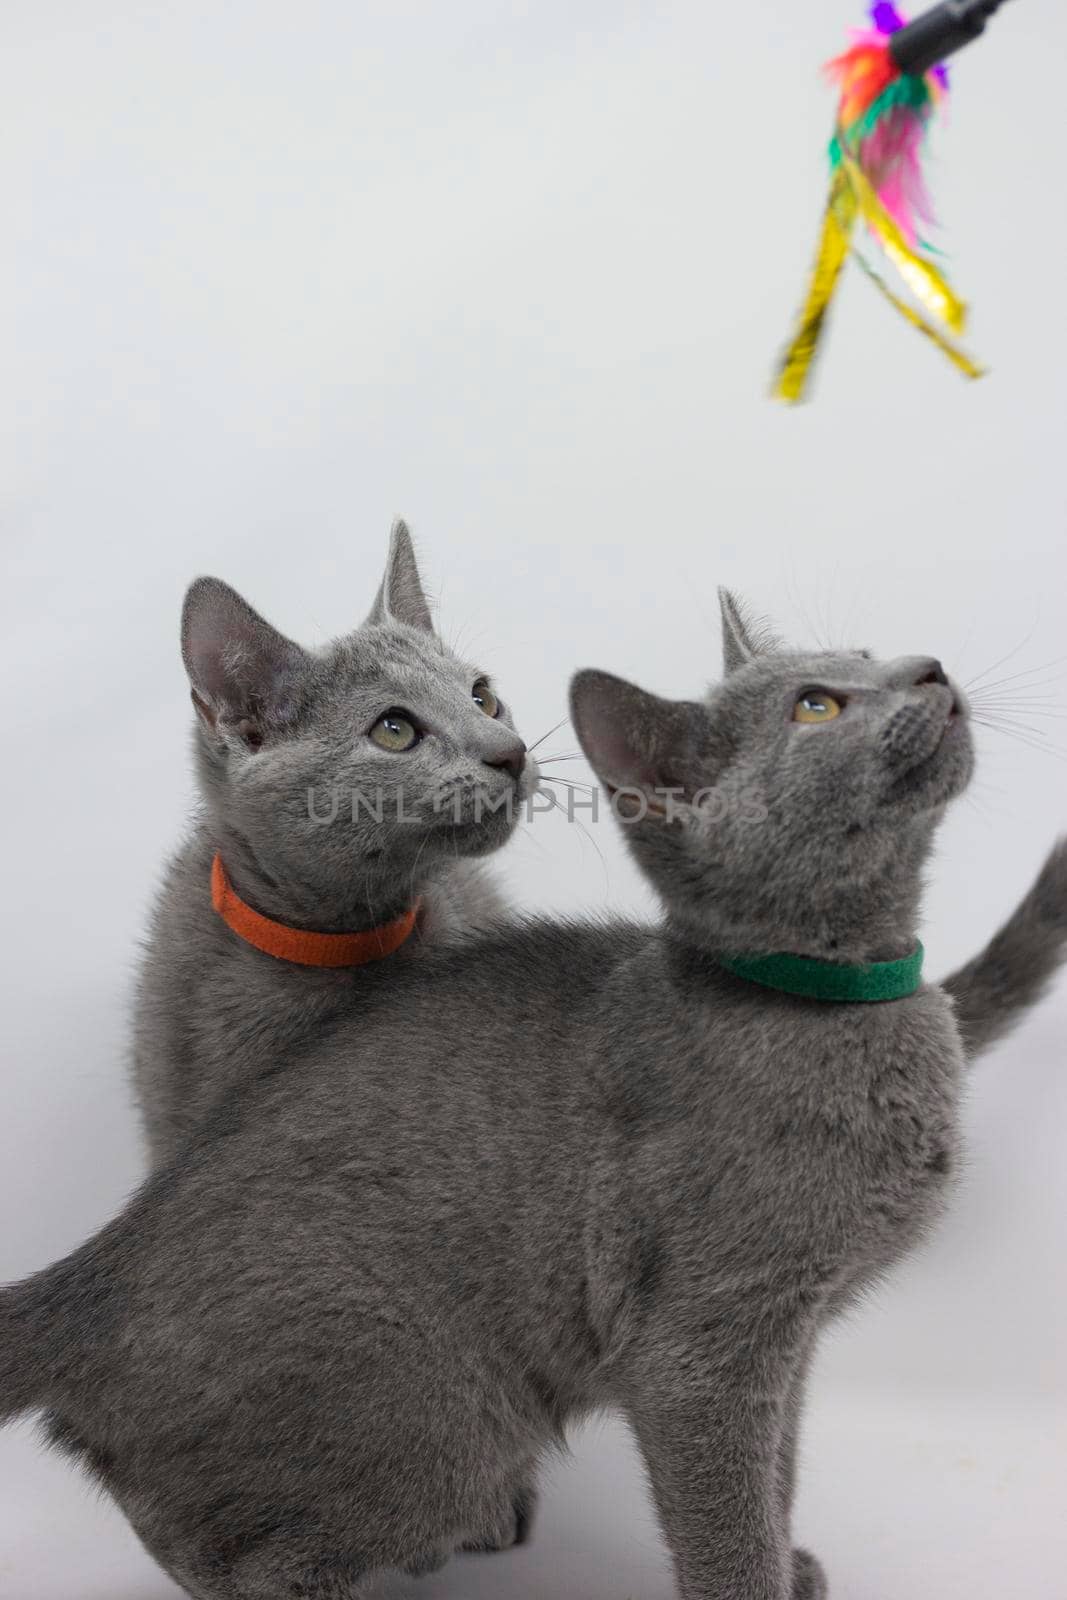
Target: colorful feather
<point x="883" y="116"/>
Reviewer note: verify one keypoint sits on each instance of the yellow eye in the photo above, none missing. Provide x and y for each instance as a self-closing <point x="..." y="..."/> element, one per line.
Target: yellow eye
<point x="816" y="706"/>
<point x="483" y="696"/>
<point x="395" y="731"/>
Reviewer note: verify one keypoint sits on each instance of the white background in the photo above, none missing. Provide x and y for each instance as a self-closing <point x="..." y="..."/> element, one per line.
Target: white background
<point x="520" y="272"/>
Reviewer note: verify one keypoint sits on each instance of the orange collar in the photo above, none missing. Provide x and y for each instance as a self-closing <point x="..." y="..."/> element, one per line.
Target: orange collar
<point x="306" y="949"/>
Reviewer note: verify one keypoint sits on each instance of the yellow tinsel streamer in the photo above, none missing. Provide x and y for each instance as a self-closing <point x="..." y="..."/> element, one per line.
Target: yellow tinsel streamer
<point x="851" y="198"/>
<point x="834" y="245"/>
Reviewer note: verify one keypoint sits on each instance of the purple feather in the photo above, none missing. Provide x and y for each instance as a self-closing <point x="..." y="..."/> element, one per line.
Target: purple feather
<point x="886" y="17"/>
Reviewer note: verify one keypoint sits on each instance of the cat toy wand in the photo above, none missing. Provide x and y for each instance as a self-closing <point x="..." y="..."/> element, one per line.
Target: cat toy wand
<point x="891" y="80"/>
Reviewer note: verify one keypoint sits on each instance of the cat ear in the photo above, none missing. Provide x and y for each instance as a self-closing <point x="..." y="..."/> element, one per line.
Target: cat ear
<point x="742" y="640"/>
<point x="401" y="597"/>
<point x="636" y="740"/>
<point x="241" y="670"/>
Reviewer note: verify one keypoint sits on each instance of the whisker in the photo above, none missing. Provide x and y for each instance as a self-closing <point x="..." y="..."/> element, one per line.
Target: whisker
<point x="1031" y="708"/>
<point x="1019" y="702"/>
<point x="415" y="867"/>
<point x="1002" y="661"/>
<point x="1015" y="676"/>
<point x="537" y="742"/>
<point x="568" y="783"/>
<point x="528" y="833"/>
<point x="556" y="802"/>
<point x="1019" y="717"/>
<point x="1041" y="690"/>
<point x="582" y="827"/>
<point x="1002" y="719"/>
<point x="557" y="805"/>
<point x="1023" y="738"/>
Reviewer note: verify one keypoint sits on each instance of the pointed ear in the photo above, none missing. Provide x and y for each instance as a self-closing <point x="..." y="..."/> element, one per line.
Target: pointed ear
<point x="242" y="671"/>
<point x="401" y="597"/>
<point x="742" y="640"/>
<point x="636" y="740"/>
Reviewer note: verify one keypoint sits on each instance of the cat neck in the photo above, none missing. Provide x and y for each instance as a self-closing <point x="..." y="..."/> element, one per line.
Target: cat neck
<point x="353" y="904"/>
<point x="864" y="924"/>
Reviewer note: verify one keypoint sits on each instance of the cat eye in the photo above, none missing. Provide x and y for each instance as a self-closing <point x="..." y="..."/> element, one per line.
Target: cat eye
<point x="816" y="706"/>
<point x="395" y="731"/>
<point x="483" y="696"/>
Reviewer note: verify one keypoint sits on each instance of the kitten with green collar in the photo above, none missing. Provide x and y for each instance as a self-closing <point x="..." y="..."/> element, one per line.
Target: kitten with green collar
<point x="560" y="1168"/>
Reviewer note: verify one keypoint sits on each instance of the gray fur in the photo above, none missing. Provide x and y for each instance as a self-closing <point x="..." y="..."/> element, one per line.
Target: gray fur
<point x="562" y="1168"/>
<point x="401" y="597"/>
<point x="273" y="722"/>
<point x="743" y="638"/>
<point x="994" y="992"/>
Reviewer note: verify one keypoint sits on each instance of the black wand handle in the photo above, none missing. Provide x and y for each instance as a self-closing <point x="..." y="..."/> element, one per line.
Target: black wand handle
<point x="937" y="33"/>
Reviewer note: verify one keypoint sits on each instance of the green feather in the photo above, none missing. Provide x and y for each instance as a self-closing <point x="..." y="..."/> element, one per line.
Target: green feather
<point x="907" y="90"/>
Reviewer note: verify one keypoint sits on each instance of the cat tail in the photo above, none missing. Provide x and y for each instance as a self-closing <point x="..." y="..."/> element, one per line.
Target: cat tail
<point x="51" y="1326"/>
<point x="24" y="1365"/>
<point x="994" y="992"/>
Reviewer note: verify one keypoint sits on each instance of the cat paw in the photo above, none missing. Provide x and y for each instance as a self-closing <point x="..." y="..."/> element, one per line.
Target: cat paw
<point x="514" y="1528"/>
<point x="809" y="1580"/>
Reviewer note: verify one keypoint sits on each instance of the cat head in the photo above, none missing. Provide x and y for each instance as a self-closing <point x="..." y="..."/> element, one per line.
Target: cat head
<point x="350" y="774"/>
<point x="792" y="808"/>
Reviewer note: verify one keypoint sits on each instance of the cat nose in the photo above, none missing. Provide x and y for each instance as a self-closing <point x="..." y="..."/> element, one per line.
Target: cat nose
<point x="914" y="672"/>
<point x="512" y="758"/>
<point x="932" y="672"/>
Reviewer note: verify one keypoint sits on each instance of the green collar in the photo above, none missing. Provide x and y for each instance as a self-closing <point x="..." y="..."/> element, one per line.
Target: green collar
<point x="826" y="980"/>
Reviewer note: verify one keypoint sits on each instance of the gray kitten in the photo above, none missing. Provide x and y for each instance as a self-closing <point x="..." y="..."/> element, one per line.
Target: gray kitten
<point x="285" y="737"/>
<point x="562" y="1168"/>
